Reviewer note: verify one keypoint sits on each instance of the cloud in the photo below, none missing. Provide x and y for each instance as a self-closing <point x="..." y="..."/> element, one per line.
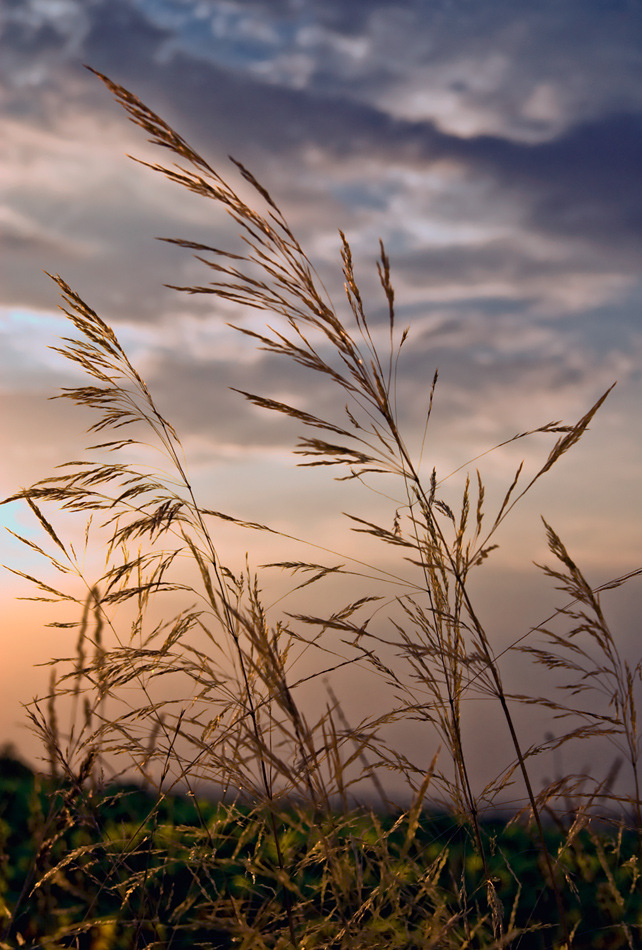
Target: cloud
<point x="582" y="182"/>
<point x="499" y="160"/>
<point x="585" y="183"/>
<point x="579" y="182"/>
<point x="497" y="149"/>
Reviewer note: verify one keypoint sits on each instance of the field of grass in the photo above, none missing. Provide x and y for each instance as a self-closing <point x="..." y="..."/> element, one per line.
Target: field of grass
<point x="211" y="695"/>
<point x="118" y="868"/>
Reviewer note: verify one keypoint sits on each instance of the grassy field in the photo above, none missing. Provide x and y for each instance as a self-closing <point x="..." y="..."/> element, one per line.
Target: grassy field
<point x="212" y="694"/>
<point x="118" y="868"/>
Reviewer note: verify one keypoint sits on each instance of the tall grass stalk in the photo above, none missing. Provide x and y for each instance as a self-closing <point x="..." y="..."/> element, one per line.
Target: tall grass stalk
<point x="234" y="715"/>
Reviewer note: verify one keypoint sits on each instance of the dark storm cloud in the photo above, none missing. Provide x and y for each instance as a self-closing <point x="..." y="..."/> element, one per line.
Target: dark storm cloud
<point x="584" y="182"/>
<point x="578" y="178"/>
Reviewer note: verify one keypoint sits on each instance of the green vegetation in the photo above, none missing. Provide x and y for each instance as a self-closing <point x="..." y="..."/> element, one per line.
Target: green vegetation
<point x="118" y="868"/>
<point x="215" y="692"/>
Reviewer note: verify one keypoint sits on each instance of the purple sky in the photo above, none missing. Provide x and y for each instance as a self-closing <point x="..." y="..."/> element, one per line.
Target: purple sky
<point x="495" y="147"/>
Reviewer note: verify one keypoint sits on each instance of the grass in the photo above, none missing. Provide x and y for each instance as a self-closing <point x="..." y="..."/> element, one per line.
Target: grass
<point x="214" y="692"/>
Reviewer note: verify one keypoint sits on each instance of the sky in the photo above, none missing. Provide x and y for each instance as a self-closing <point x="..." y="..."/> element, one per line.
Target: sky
<point x="496" y="149"/>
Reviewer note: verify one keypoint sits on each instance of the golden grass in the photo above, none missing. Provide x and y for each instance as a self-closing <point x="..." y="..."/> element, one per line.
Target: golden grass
<point x="234" y="716"/>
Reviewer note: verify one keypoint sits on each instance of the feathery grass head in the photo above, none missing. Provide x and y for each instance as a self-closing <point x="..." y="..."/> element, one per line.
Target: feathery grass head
<point x="217" y="690"/>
